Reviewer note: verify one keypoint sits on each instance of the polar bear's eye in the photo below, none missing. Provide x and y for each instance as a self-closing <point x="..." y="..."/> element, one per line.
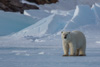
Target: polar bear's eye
<point x="66" y="35"/>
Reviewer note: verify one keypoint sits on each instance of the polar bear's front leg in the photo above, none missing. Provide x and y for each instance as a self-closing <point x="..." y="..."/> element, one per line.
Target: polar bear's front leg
<point x="72" y="49"/>
<point x="65" y="49"/>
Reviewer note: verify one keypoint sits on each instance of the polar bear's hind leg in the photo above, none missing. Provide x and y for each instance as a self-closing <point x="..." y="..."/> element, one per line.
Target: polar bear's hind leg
<point x="82" y="52"/>
<point x="77" y="52"/>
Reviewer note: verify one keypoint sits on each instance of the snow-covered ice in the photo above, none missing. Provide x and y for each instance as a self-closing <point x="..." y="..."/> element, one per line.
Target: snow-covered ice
<point x="97" y="41"/>
<point x="38" y="42"/>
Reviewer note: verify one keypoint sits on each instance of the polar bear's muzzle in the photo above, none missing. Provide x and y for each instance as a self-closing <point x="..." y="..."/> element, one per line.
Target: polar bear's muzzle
<point x="65" y="36"/>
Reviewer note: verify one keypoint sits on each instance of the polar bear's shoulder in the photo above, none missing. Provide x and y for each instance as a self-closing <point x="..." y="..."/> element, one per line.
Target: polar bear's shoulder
<point x="77" y="32"/>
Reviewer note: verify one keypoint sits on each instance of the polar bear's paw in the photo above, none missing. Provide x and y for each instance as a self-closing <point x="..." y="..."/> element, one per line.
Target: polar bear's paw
<point x="82" y="55"/>
<point x="72" y="55"/>
<point x="65" y="55"/>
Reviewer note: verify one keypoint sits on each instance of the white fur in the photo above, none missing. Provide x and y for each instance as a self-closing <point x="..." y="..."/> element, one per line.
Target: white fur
<point x="75" y="41"/>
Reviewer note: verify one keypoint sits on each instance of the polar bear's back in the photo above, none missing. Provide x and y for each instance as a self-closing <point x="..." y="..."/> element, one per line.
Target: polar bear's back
<point x="79" y="38"/>
<point x="78" y="34"/>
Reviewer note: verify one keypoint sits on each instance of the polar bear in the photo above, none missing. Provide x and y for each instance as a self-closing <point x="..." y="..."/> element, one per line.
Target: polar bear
<point x="75" y="41"/>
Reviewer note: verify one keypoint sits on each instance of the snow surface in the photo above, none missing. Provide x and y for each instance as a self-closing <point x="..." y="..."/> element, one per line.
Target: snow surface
<point x="39" y="44"/>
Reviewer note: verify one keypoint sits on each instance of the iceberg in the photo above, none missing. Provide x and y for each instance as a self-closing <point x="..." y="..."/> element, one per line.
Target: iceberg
<point x="48" y="25"/>
<point x="83" y="15"/>
<point x="14" y="22"/>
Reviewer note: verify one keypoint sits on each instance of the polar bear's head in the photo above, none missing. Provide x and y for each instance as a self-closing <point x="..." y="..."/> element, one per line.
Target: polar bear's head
<point x="65" y="35"/>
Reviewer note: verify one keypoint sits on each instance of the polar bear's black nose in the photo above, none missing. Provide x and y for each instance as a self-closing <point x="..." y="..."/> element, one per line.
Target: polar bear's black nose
<point x="65" y="37"/>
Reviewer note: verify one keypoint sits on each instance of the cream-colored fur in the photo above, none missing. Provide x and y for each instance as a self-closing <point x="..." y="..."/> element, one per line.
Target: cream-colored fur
<point x="75" y="41"/>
